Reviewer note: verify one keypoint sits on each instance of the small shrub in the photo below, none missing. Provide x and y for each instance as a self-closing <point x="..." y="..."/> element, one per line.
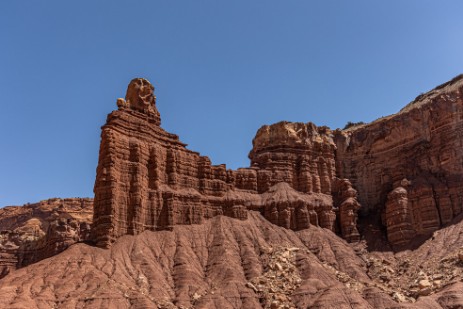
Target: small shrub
<point x="351" y="124"/>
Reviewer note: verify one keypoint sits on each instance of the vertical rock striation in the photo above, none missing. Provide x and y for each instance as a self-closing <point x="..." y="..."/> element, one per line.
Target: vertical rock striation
<point x="398" y="215"/>
<point x="408" y="167"/>
<point x="345" y="198"/>
<point x="148" y="180"/>
<point x="422" y="143"/>
<point x="299" y="154"/>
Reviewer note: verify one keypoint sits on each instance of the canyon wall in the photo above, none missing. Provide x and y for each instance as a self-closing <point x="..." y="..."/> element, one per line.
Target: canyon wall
<point x="36" y="231"/>
<point x="302" y="156"/>
<point x="148" y="180"/>
<point x="409" y="166"/>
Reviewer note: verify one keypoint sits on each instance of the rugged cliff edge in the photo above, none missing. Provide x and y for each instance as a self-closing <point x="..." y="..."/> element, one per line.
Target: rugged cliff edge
<point x="32" y="232"/>
<point x="409" y="166"/>
<point x="406" y="168"/>
<point x="175" y="231"/>
<point x="148" y="180"/>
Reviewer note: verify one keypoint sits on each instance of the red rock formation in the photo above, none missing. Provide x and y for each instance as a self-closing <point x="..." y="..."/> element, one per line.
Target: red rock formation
<point x="299" y="154"/>
<point x="148" y="180"/>
<point x="284" y="206"/>
<point x="345" y="198"/>
<point x="33" y="232"/>
<point x="423" y="144"/>
<point x="399" y="217"/>
<point x="301" y="176"/>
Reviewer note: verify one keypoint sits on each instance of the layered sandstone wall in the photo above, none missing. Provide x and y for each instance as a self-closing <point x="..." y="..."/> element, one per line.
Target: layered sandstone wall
<point x="302" y="156"/>
<point x="300" y="174"/>
<point x="148" y="180"/>
<point x="408" y="167"/>
<point x="299" y="154"/>
<point x="421" y="144"/>
<point x="36" y="231"/>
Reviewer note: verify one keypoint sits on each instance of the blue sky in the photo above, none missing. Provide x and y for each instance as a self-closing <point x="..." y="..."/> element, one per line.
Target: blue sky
<point x="221" y="70"/>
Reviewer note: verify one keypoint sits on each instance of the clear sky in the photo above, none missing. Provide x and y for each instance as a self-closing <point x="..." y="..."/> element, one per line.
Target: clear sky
<point x="221" y="70"/>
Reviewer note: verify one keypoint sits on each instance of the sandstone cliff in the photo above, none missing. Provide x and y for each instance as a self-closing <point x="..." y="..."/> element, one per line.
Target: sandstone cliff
<point x="33" y="232"/>
<point x="417" y="152"/>
<point x="148" y="180"/>
<point x="182" y="233"/>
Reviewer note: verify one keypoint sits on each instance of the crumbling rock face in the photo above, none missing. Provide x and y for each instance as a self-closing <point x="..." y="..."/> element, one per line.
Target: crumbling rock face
<point x="299" y="154"/>
<point x="33" y="232"/>
<point x="284" y="206"/>
<point x="148" y="180"/>
<point x="421" y="143"/>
